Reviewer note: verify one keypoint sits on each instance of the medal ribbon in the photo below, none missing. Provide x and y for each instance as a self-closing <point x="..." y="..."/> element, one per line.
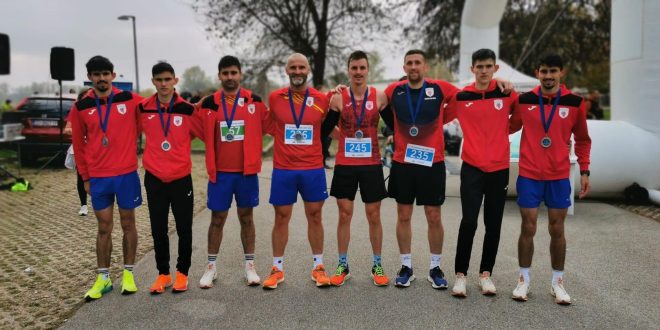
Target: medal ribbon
<point x="364" y="102"/>
<point x="298" y="120"/>
<point x="104" y="123"/>
<point x="546" y="125"/>
<point x="413" y="115"/>
<point x="165" y="127"/>
<point x="229" y="120"/>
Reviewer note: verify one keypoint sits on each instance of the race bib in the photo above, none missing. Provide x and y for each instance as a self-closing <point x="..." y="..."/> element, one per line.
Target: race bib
<point x="302" y="135"/>
<point x="419" y="155"/>
<point x="357" y="148"/>
<point x="235" y="133"/>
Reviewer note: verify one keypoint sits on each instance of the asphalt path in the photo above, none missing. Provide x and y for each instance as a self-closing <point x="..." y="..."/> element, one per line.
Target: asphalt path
<point x="612" y="267"/>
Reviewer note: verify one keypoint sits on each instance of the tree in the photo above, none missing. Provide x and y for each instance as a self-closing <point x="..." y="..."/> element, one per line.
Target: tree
<point x="195" y="80"/>
<point x="273" y="29"/>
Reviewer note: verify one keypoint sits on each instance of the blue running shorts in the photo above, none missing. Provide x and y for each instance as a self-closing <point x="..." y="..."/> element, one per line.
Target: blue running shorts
<point x="287" y="183"/>
<point x="244" y="188"/>
<point x="555" y="193"/>
<point x="126" y="187"/>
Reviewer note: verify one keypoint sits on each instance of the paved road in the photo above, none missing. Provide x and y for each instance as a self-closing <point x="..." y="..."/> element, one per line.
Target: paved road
<point x="613" y="262"/>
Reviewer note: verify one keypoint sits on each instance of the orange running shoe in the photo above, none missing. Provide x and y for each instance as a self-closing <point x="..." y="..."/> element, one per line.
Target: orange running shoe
<point x="162" y="282"/>
<point x="180" y="283"/>
<point x="276" y="277"/>
<point x="341" y="275"/>
<point x="319" y="276"/>
<point x="377" y="273"/>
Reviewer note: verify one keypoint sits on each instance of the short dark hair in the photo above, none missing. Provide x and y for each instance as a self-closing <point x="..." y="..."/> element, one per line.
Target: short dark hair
<point x="550" y="60"/>
<point x="482" y="55"/>
<point x="161" y="67"/>
<point x="227" y="61"/>
<point x="416" y="51"/>
<point x="357" y="55"/>
<point x="99" y="63"/>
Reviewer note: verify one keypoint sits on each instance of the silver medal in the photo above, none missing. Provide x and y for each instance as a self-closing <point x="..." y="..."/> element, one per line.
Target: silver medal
<point x="298" y="136"/>
<point x="229" y="137"/>
<point x="413" y="131"/>
<point x="104" y="141"/>
<point x="546" y="142"/>
<point x="359" y="134"/>
<point x="166" y="146"/>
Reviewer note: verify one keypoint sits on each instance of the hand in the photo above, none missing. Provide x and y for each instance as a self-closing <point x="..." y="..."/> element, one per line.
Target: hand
<point x="584" y="186"/>
<point x="390" y="139"/>
<point x="504" y="85"/>
<point x="67" y="130"/>
<point x="87" y="187"/>
<point x="340" y="88"/>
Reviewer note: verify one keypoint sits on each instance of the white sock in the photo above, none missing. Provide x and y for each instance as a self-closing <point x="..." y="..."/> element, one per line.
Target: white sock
<point x="525" y="274"/>
<point x="556" y="275"/>
<point x="318" y="259"/>
<point x="129" y="268"/>
<point x="105" y="272"/>
<point x="435" y="260"/>
<point x="278" y="262"/>
<point x="406" y="260"/>
<point x="249" y="259"/>
<point x="212" y="259"/>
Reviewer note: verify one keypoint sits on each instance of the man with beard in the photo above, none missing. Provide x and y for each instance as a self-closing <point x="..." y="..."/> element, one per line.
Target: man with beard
<point x="358" y="163"/>
<point x="169" y="124"/>
<point x="234" y="122"/>
<point x="297" y="113"/>
<point x="104" y="126"/>
<point x="550" y="114"/>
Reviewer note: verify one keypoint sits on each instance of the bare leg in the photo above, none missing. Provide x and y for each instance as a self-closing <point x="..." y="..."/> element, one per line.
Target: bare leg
<point x="403" y="228"/>
<point x="526" y="239"/>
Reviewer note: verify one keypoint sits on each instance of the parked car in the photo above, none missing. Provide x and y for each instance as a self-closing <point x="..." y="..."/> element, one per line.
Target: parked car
<point x="42" y="121"/>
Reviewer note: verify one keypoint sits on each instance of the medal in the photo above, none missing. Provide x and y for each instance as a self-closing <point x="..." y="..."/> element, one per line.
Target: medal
<point x="104" y="122"/>
<point x="358" y="119"/>
<point x="414" y="131"/>
<point x="166" y="146"/>
<point x="298" y="120"/>
<point x="546" y="142"/>
<point x="230" y="119"/>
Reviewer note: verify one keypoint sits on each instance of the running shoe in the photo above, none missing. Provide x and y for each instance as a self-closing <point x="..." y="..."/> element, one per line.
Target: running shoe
<point x="83" y="211"/>
<point x="341" y="275"/>
<point x="320" y="277"/>
<point x="209" y="277"/>
<point x="486" y="284"/>
<point x="459" y="289"/>
<point x="251" y="275"/>
<point x="378" y="274"/>
<point x="276" y="277"/>
<point x="437" y="278"/>
<point x="128" y="283"/>
<point x="521" y="291"/>
<point x="99" y="288"/>
<point x="180" y="283"/>
<point x="404" y="277"/>
<point x="561" y="296"/>
<point x="162" y="282"/>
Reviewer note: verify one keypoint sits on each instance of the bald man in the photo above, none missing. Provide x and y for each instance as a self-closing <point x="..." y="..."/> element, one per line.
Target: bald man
<point x="297" y="112"/>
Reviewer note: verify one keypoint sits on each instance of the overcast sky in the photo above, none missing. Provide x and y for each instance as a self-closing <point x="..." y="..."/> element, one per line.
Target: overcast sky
<point x="166" y="30"/>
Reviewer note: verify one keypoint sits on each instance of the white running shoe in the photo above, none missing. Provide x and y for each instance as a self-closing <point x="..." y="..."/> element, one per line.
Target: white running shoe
<point x="486" y="284"/>
<point x="209" y="276"/>
<point x="521" y="290"/>
<point x="251" y="275"/>
<point x="459" y="287"/>
<point x="561" y="296"/>
<point x="83" y="211"/>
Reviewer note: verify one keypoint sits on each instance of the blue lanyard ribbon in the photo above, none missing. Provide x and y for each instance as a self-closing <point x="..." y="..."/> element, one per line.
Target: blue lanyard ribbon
<point x="413" y="115"/>
<point x="298" y="120"/>
<point x="165" y="127"/>
<point x="546" y="125"/>
<point x="364" y="102"/>
<point x="104" y="123"/>
<point x="229" y="120"/>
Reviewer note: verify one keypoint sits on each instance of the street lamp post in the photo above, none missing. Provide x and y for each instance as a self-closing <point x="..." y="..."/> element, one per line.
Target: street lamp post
<point x="137" y="72"/>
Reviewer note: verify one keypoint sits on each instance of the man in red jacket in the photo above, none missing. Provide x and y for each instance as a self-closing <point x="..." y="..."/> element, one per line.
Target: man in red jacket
<point x="169" y="124"/>
<point x="234" y="122"/>
<point x="297" y="113"/>
<point x="104" y="128"/>
<point x="483" y="111"/>
<point x="550" y="115"/>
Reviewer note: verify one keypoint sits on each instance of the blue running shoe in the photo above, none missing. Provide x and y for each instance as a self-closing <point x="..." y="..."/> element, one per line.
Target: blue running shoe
<point x="437" y="278"/>
<point x="404" y="277"/>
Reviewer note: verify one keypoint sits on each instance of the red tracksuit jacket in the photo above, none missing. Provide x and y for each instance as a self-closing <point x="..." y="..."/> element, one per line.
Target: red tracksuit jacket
<point x="570" y="118"/>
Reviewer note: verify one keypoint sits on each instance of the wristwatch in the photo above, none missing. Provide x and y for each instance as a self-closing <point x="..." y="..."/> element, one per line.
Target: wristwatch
<point x="585" y="172"/>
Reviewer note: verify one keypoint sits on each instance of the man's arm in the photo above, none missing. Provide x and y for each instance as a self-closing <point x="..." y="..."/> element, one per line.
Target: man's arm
<point x="332" y="118"/>
<point x="582" y="148"/>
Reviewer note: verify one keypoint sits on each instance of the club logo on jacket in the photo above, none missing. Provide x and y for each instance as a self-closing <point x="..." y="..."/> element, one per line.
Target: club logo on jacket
<point x="498" y="104"/>
<point x="91" y="112"/>
<point x="369" y="105"/>
<point x="121" y="108"/>
<point x="252" y="108"/>
<point x="531" y="108"/>
<point x="241" y="101"/>
<point x="178" y="120"/>
<point x="310" y="101"/>
<point x="563" y="112"/>
<point x="429" y="91"/>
